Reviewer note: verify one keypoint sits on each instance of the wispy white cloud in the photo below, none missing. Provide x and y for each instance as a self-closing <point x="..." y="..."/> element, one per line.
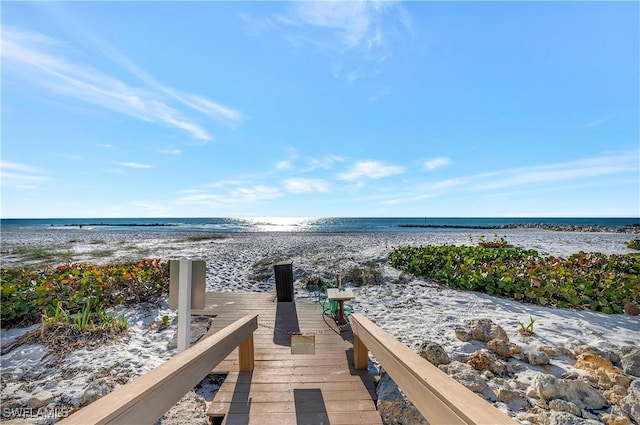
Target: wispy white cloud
<point x="18" y="170"/>
<point x="229" y="194"/>
<point x="583" y="172"/>
<point x="255" y="25"/>
<point x="301" y="185"/>
<point x="135" y="165"/>
<point x="582" y="169"/>
<point x="196" y="102"/>
<point x="231" y="182"/>
<point x="370" y="170"/>
<point x="433" y="163"/>
<point x="173" y="151"/>
<point x="285" y="164"/>
<point x="422" y="191"/>
<point x="290" y="160"/>
<point x="325" y="162"/>
<point x="20" y="175"/>
<point x="18" y="166"/>
<point x="305" y="164"/>
<point x="224" y="114"/>
<point x="255" y="193"/>
<point x="44" y="61"/>
<point x="600" y="120"/>
<point x="361" y="30"/>
<point x="357" y="24"/>
<point x="407" y="200"/>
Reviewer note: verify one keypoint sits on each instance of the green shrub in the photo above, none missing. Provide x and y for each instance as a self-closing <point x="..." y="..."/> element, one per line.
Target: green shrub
<point x="313" y="282"/>
<point x="585" y="280"/>
<point x="91" y="318"/>
<point x="202" y="238"/>
<point x="45" y="254"/>
<point x="495" y="243"/>
<point x="633" y="244"/>
<point x="28" y="294"/>
<point x="359" y="276"/>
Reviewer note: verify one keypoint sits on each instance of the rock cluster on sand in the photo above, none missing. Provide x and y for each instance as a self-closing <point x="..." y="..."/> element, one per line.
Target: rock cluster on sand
<point x="602" y="387"/>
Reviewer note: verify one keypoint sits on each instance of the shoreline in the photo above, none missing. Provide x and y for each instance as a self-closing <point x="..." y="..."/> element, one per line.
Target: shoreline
<point x="332" y="224"/>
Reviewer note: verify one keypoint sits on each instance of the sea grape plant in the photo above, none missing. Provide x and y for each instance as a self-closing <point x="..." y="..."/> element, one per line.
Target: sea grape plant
<point x="27" y="294"/>
<point x="633" y="244"/>
<point x="584" y="280"/>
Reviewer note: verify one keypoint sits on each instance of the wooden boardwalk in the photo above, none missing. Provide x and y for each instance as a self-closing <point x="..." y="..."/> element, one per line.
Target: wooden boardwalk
<point x="284" y="388"/>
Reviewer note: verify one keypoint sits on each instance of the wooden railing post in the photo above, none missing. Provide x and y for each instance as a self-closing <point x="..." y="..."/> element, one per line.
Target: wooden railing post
<point x="245" y="353"/>
<point x="360" y="354"/>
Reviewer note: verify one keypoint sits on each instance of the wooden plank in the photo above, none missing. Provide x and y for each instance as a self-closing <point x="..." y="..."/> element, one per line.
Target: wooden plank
<point x="147" y="398"/>
<point x="339" y="418"/>
<point x="437" y="396"/>
<point x="226" y="396"/>
<point x="306" y="405"/>
<point x="314" y="362"/>
<point x="285" y="388"/>
<point x="304" y="378"/>
<point x="324" y="386"/>
<point x="301" y="370"/>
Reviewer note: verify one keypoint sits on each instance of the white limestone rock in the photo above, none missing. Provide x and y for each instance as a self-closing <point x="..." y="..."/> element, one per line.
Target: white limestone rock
<point x="579" y="392"/>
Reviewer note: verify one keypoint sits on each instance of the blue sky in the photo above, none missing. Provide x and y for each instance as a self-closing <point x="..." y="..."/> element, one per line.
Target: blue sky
<point x="212" y="109"/>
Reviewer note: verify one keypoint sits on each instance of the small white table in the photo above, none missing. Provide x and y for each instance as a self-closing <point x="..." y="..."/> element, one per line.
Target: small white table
<point x="340" y="296"/>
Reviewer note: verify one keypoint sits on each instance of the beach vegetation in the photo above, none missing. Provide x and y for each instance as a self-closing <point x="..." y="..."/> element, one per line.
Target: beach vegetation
<point x="633" y="244"/>
<point x="593" y="281"/>
<point x="632" y="308"/>
<point x="50" y="254"/>
<point x="62" y="332"/>
<point x="313" y="282"/>
<point x="28" y="294"/>
<point x="497" y="242"/>
<point x="259" y="277"/>
<point x="370" y="274"/>
<point x="528" y="329"/>
<point x="263" y="268"/>
<point x="202" y="238"/>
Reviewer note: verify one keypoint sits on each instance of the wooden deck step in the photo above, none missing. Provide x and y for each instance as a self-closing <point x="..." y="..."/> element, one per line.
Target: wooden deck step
<point x="287" y="388"/>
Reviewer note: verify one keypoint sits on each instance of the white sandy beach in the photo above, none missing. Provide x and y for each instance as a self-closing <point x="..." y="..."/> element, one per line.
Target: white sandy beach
<point x="412" y="309"/>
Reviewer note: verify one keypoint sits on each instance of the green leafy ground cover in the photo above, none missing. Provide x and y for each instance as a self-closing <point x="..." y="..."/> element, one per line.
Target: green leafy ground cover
<point x="585" y="280"/>
<point x="633" y="244"/>
<point x="30" y="296"/>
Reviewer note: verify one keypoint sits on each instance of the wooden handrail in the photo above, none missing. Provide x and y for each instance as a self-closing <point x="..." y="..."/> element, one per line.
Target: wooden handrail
<point x="146" y="399"/>
<point x="439" y="398"/>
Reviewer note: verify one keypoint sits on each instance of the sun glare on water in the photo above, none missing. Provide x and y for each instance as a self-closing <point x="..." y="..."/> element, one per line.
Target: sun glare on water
<point x="279" y="224"/>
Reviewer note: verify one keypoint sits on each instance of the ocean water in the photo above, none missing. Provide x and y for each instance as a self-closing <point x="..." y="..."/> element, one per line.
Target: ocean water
<point x="306" y="224"/>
